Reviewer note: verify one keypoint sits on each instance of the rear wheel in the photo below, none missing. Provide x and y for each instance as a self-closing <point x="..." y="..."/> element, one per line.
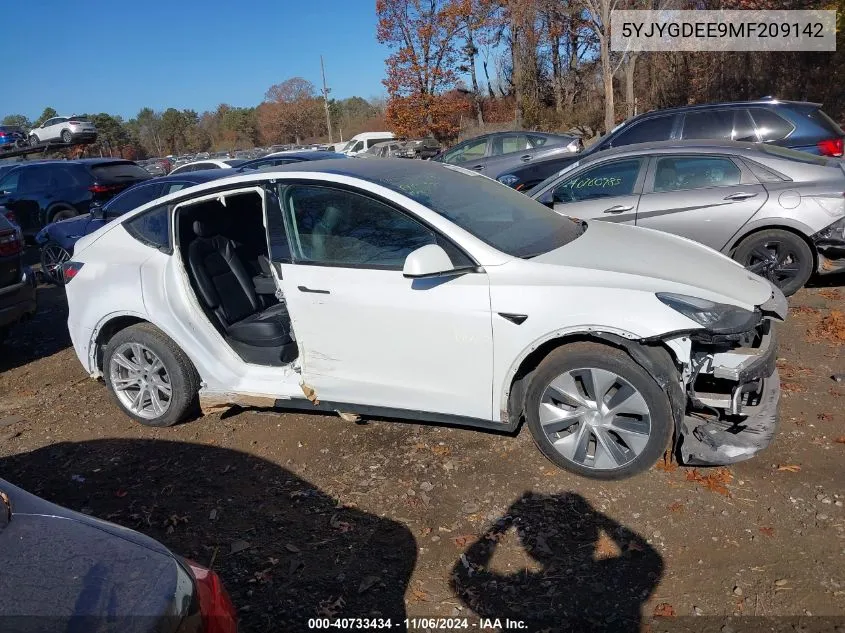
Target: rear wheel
<point x="53" y="256"/>
<point x="149" y="376"/>
<point x="594" y="411"/>
<point x="66" y="137"/>
<point x="63" y="214"/>
<point x="33" y="140"/>
<point x="780" y="256"/>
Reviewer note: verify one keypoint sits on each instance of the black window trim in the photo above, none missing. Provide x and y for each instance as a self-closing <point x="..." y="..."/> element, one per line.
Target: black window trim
<point x="439" y="237"/>
<point x="674" y="128"/>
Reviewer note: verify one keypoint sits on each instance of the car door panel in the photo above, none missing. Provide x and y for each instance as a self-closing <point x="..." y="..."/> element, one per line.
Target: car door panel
<point x="367" y="334"/>
<point x="706" y="202"/>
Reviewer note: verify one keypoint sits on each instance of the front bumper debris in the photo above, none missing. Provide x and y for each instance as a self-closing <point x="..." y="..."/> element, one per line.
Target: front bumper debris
<point x="732" y="400"/>
<point x="830" y="247"/>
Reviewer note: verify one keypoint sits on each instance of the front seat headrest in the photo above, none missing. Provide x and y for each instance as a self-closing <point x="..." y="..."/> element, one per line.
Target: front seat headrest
<point x="205" y="228"/>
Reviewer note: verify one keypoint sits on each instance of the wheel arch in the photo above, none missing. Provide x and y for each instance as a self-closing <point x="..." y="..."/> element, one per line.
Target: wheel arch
<point x="54" y="208"/>
<point x="796" y="229"/>
<point x="105" y="331"/>
<point x="654" y="356"/>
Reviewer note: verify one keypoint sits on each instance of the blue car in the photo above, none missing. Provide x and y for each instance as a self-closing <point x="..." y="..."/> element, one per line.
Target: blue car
<point x="11" y="136"/>
<point x="57" y="239"/>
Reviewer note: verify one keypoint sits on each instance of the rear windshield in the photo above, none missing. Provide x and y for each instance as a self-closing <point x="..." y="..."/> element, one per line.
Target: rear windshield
<point x="820" y="117"/>
<point x="792" y="154"/>
<point x="119" y="172"/>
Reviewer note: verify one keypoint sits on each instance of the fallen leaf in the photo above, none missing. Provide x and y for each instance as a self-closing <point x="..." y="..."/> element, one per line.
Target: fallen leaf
<point x="830" y="293"/>
<point x="832" y="326"/>
<point x="840" y="439"/>
<point x="442" y="451"/>
<point x="466" y="539"/>
<point x="425" y="531"/>
<point x="767" y="531"/>
<point x="715" y="480"/>
<point x="606" y="547"/>
<point x="676" y="507"/>
<point x="418" y="595"/>
<point x="367" y="582"/>
<point x="664" y="610"/>
<point x="666" y="464"/>
<point x="790" y="468"/>
<point x="824" y="417"/>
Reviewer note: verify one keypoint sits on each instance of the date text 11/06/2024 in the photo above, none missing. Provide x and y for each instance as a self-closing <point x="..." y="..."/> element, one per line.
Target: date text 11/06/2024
<point x="417" y="624"/>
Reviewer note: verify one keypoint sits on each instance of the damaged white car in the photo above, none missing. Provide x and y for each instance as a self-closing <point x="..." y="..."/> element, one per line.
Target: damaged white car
<point x="421" y="291"/>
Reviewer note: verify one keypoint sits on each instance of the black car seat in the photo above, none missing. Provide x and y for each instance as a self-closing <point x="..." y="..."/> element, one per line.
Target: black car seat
<point x="226" y="287"/>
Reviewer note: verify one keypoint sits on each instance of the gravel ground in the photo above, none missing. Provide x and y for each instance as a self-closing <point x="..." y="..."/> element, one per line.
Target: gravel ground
<point x="307" y="515"/>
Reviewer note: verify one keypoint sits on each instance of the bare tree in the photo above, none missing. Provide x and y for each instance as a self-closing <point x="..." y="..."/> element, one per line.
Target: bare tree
<point x="599" y="18"/>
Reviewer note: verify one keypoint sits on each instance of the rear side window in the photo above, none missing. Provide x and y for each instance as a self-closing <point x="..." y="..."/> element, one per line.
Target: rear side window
<point x="132" y="199"/>
<point x="151" y="228"/>
<point x="763" y="174"/>
<point x="119" y="172"/>
<point x="770" y="126"/>
<point x="682" y="173"/>
<point x="709" y="124"/>
<point x="656" y="129"/>
<point x="64" y="177"/>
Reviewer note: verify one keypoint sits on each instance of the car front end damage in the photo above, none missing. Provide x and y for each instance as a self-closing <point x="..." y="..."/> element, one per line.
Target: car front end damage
<point x="731" y="388"/>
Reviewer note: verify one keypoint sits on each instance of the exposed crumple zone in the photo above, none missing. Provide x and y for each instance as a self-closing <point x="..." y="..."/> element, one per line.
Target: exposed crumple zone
<point x="310" y="393"/>
<point x="219" y="402"/>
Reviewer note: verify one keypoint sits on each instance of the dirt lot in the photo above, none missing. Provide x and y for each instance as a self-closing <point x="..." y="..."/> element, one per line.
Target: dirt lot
<point x="306" y="515"/>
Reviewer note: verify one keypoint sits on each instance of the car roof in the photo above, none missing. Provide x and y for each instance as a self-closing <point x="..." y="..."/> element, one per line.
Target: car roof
<point x="314" y="154"/>
<point x="723" y="104"/>
<point x="710" y="146"/>
<point x="75" y="161"/>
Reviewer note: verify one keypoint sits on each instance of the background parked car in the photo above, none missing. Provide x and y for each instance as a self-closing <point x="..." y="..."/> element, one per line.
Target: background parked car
<point x="63" y="129"/>
<point x="211" y="163"/>
<point x="388" y="149"/>
<point x="423" y="148"/>
<point x="17" y="283"/>
<point x="68" y="571"/>
<point x="500" y="152"/>
<point x="765" y="206"/>
<point x="11" y="136"/>
<point x="286" y="158"/>
<point x="794" y="124"/>
<point x="58" y="238"/>
<point x="35" y="194"/>
<point x="156" y="166"/>
<point x="364" y="141"/>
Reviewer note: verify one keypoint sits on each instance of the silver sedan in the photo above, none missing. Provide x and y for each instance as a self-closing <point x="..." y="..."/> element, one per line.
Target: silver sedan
<point x="779" y="212"/>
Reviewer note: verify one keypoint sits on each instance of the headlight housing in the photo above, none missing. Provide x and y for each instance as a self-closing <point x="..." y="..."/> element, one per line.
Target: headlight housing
<point x="718" y="318"/>
<point x="508" y="179"/>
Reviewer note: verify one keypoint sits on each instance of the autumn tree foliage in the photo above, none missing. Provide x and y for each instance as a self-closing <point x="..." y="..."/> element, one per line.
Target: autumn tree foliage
<point x="291" y="110"/>
<point x="423" y="36"/>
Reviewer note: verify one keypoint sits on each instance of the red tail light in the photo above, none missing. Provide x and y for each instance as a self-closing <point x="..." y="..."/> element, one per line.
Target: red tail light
<point x="216" y="608"/>
<point x="831" y="147"/>
<point x="70" y="270"/>
<point x="11" y="242"/>
<point x="2" y="135"/>
<point x="10" y="215"/>
<point x="98" y="188"/>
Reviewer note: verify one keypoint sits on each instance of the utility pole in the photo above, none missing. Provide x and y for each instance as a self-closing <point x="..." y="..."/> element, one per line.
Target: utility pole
<point x="326" y="99"/>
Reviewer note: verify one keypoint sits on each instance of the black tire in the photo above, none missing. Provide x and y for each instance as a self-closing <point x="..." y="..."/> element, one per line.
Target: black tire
<point x="63" y="213"/>
<point x="52" y="255"/>
<point x="66" y="136"/>
<point x="582" y="355"/>
<point x="780" y="256"/>
<point x="33" y="140"/>
<point x="4" y="332"/>
<point x="184" y="379"/>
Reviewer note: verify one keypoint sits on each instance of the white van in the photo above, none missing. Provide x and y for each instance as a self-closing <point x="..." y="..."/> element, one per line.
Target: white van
<point x="364" y="141"/>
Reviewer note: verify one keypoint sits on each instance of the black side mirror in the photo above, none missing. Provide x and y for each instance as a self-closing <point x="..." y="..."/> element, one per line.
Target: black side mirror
<point x="97" y="212"/>
<point x="547" y="199"/>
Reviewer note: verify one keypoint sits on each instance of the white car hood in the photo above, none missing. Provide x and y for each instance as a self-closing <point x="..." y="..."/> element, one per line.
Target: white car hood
<point x="650" y="256"/>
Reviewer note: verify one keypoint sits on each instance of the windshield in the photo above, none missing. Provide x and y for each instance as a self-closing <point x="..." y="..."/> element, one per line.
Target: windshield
<point x="349" y="145"/>
<point x="496" y="214"/>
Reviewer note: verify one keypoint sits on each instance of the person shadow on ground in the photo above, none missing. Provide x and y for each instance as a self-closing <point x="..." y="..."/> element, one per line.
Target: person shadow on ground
<point x="286" y="550"/>
<point x="587" y="573"/>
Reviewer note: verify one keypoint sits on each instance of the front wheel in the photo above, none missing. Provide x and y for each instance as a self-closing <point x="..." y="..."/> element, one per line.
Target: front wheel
<point x="594" y="411"/>
<point x="53" y="257"/>
<point x="780" y="256"/>
<point x="66" y="137"/>
<point x="149" y="376"/>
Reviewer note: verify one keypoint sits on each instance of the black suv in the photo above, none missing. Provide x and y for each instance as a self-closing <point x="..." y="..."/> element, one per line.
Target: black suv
<point x="35" y="194"/>
<point x="797" y="125"/>
<point x="17" y="283"/>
